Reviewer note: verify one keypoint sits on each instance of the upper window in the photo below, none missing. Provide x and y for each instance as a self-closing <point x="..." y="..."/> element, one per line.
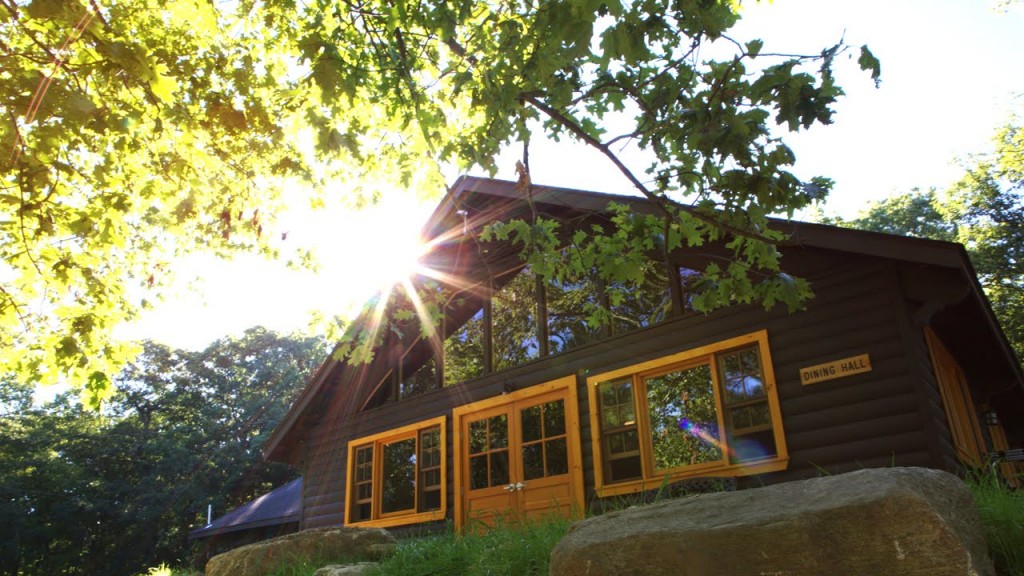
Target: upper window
<point x="709" y="411"/>
<point x="397" y="477"/>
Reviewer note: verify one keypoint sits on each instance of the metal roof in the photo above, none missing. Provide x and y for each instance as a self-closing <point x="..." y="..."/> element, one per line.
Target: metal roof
<point x="279" y="506"/>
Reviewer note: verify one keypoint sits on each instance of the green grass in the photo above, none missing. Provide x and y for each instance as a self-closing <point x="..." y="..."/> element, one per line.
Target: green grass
<point x="1002" y="514"/>
<point x="509" y="551"/>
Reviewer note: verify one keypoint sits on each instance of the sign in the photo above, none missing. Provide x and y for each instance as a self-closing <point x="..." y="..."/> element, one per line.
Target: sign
<point x="835" y="369"/>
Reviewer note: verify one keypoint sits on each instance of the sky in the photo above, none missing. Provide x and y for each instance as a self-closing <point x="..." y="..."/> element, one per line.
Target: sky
<point x="952" y="72"/>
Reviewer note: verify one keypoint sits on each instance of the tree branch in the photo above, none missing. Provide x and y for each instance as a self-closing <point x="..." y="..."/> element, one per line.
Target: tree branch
<point x="663" y="204"/>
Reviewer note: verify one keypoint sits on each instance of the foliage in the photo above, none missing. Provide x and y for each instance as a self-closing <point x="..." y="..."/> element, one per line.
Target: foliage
<point x="136" y="132"/>
<point x="984" y="211"/>
<point x="84" y="492"/>
<point x="1002" y="514"/>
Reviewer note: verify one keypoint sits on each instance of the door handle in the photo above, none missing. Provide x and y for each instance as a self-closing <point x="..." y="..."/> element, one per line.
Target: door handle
<point x="510" y="488"/>
<point x="520" y="485"/>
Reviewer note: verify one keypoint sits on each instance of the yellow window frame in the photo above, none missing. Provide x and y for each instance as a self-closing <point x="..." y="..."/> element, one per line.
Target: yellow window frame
<point x="378" y="519"/>
<point x="652" y="478"/>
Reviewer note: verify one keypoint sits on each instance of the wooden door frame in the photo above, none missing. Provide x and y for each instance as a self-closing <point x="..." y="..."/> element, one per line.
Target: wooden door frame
<point x="572" y="423"/>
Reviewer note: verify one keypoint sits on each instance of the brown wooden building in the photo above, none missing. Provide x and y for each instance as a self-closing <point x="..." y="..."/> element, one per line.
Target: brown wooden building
<point x="516" y="408"/>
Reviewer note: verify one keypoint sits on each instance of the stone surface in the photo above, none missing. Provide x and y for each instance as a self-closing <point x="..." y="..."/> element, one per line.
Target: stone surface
<point x="905" y="521"/>
<point x="321" y="543"/>
<point x="357" y="569"/>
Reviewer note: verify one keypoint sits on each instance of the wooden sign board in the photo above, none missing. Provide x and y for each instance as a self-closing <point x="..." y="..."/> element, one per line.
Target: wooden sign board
<point x="835" y="369"/>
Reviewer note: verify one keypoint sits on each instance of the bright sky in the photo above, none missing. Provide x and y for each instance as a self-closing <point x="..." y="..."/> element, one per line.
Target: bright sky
<point x="951" y="73"/>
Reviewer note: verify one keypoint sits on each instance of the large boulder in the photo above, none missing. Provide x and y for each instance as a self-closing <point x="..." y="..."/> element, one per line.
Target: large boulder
<point x="898" y="521"/>
<point x="316" y="545"/>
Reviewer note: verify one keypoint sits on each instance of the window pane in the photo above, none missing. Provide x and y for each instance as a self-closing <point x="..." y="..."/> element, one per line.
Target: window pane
<point x="430" y="448"/>
<point x="618" y="431"/>
<point x="362" y="479"/>
<point x="683" y="417"/>
<point x="753" y="446"/>
<point x="623" y="469"/>
<point x="646" y="304"/>
<point x="398" y="471"/>
<point x="423" y="380"/>
<point x="569" y="305"/>
<point x="464" y="352"/>
<point x="554" y="418"/>
<point x="478" y="436"/>
<point x="557" y="457"/>
<point x="514" y="325"/>
<point x="499" y="468"/>
<point x="617" y="404"/>
<point x="531" y="423"/>
<point x="741" y="375"/>
<point x="478" y="472"/>
<point x="498" y="427"/>
<point x="533" y="461"/>
<point x="431" y="501"/>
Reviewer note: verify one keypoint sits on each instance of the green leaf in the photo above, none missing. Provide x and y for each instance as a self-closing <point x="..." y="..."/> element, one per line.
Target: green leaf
<point x="868" y="61"/>
<point x="754" y="47"/>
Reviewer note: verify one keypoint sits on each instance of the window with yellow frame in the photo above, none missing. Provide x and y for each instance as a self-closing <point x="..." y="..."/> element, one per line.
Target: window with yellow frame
<point x="397" y="477"/>
<point x="713" y="410"/>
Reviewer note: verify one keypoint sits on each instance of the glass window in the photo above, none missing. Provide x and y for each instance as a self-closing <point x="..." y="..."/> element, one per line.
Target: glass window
<point x="514" y="322"/>
<point x="711" y="411"/>
<point x="464" y="352"/>
<point x="424" y="379"/>
<point x="570" y="304"/>
<point x="643" y="305"/>
<point x="398" y="477"/>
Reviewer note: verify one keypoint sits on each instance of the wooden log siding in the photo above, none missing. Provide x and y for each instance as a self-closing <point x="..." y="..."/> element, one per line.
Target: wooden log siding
<point x="870" y="419"/>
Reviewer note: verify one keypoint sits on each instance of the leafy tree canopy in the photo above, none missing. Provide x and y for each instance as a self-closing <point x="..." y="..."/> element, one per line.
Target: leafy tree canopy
<point x="137" y="131"/>
<point x="984" y="211"/>
<point x="117" y="490"/>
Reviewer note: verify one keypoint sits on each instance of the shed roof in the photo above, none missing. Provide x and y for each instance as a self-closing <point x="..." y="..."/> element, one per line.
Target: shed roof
<point x="279" y="506"/>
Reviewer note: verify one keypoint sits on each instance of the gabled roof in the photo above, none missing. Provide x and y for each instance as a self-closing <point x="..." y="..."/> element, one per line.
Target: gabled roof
<point x="473" y="202"/>
<point x="279" y="506"/>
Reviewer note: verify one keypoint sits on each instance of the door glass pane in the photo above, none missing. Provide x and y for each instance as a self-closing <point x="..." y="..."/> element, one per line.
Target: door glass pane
<point x="478" y="436"/>
<point x="498" y="426"/>
<point x="684" y="418"/>
<point x="533" y="461"/>
<point x="499" y="468"/>
<point x="531" y="424"/>
<point x="557" y="457"/>
<point x="478" y="472"/>
<point x="398" y="471"/>
<point x="554" y="418"/>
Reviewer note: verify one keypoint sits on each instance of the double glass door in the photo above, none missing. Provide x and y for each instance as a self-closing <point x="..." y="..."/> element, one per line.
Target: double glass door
<point x="519" y="456"/>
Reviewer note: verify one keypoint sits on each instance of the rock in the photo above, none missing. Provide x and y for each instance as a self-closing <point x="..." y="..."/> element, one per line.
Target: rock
<point x="357" y="569"/>
<point x="905" y="521"/>
<point x="314" y="545"/>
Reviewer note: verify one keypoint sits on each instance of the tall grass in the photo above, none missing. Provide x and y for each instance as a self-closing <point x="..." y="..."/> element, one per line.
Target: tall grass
<point x="1002" y="514"/>
<point x="507" y="551"/>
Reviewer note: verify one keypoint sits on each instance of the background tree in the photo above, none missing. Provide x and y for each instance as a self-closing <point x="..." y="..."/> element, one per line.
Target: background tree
<point x="84" y="492"/>
<point x="984" y="211"/>
<point x="136" y="132"/>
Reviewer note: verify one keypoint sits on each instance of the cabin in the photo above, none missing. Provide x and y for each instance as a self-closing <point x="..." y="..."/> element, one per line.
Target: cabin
<point x="517" y="407"/>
